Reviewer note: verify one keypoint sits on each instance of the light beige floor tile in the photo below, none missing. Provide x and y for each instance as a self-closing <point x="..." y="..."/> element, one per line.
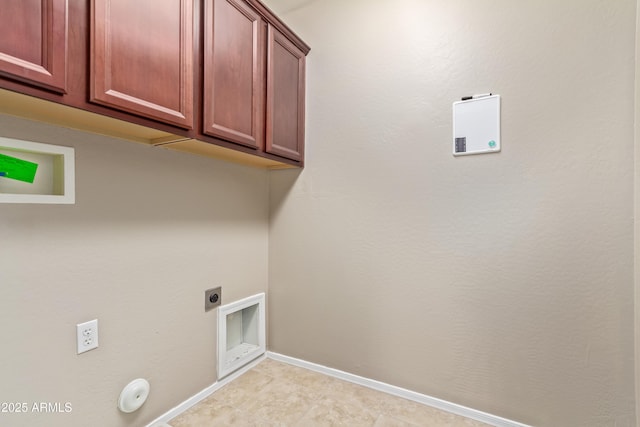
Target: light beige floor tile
<point x="273" y="368"/>
<point x="281" y="402"/>
<point x="389" y="421"/>
<point x="210" y="413"/>
<point x="358" y="395"/>
<point x="419" y="414"/>
<point x="277" y="394"/>
<point x="396" y="407"/>
<point x="330" y="412"/>
<point x="243" y="389"/>
<point x="301" y="376"/>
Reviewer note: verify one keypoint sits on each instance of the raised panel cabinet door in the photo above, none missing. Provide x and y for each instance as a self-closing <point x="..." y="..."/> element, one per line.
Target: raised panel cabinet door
<point x="142" y="58"/>
<point x="285" y="97"/>
<point x="33" y="42"/>
<point x="234" y="57"/>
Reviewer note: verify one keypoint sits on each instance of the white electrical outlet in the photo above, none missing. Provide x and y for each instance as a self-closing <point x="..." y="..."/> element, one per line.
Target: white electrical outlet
<point x="87" y="335"/>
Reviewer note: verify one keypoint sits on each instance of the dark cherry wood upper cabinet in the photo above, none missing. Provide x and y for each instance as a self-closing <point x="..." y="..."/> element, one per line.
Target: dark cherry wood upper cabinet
<point x="33" y="42"/>
<point x="222" y="78"/>
<point x="285" y="97"/>
<point x="234" y="70"/>
<point x="142" y="58"/>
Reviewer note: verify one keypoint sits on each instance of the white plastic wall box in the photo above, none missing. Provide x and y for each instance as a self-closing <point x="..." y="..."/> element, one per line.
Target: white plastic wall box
<point x="241" y="333"/>
<point x="54" y="182"/>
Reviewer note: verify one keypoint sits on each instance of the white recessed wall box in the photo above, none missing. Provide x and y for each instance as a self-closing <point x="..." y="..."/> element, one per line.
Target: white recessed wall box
<point x="31" y="172"/>
<point x="241" y="333"/>
<point x="476" y="125"/>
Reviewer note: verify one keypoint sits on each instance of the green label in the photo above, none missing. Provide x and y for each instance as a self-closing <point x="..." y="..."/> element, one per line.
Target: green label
<point x="18" y="169"/>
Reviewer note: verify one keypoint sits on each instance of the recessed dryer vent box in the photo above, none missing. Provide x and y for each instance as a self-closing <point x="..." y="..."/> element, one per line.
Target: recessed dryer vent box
<point x="241" y="333"/>
<point x="31" y="172"/>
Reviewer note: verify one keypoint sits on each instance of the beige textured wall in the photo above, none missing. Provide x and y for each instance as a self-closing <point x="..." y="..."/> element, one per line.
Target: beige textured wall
<point x="502" y="282"/>
<point x="151" y="230"/>
<point x="637" y="215"/>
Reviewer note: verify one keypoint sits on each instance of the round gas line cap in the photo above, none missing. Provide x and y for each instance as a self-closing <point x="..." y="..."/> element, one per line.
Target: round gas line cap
<point x="134" y="395"/>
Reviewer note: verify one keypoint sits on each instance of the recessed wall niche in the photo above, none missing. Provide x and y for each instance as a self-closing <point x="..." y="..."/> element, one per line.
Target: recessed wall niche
<point x="32" y="172"/>
<point x="241" y="333"/>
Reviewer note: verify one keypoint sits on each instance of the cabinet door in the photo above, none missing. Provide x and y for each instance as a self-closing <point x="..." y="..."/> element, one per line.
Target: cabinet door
<point x="33" y="42"/>
<point x="142" y="58"/>
<point x="285" y="97"/>
<point x="234" y="56"/>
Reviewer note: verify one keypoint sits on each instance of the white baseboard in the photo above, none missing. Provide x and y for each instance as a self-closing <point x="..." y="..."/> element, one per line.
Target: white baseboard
<point x="200" y="396"/>
<point x="400" y="392"/>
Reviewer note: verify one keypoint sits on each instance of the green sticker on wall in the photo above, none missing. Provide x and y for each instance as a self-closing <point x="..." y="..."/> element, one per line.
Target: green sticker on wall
<point x="18" y="169"/>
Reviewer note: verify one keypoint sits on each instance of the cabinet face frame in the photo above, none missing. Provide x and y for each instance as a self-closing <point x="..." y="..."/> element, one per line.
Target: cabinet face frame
<point x="290" y="146"/>
<point x="102" y="63"/>
<point x="51" y="72"/>
<point x="213" y="102"/>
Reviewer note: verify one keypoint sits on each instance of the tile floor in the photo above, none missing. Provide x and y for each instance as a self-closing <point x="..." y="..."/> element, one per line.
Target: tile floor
<point x="279" y="394"/>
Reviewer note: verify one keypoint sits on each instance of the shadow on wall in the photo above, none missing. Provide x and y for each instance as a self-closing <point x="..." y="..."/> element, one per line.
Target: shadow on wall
<point x="281" y="183"/>
<point x="124" y="182"/>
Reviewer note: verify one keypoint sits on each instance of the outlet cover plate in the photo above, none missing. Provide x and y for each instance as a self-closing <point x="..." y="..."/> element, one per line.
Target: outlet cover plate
<point x="87" y="335"/>
<point x="212" y="298"/>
